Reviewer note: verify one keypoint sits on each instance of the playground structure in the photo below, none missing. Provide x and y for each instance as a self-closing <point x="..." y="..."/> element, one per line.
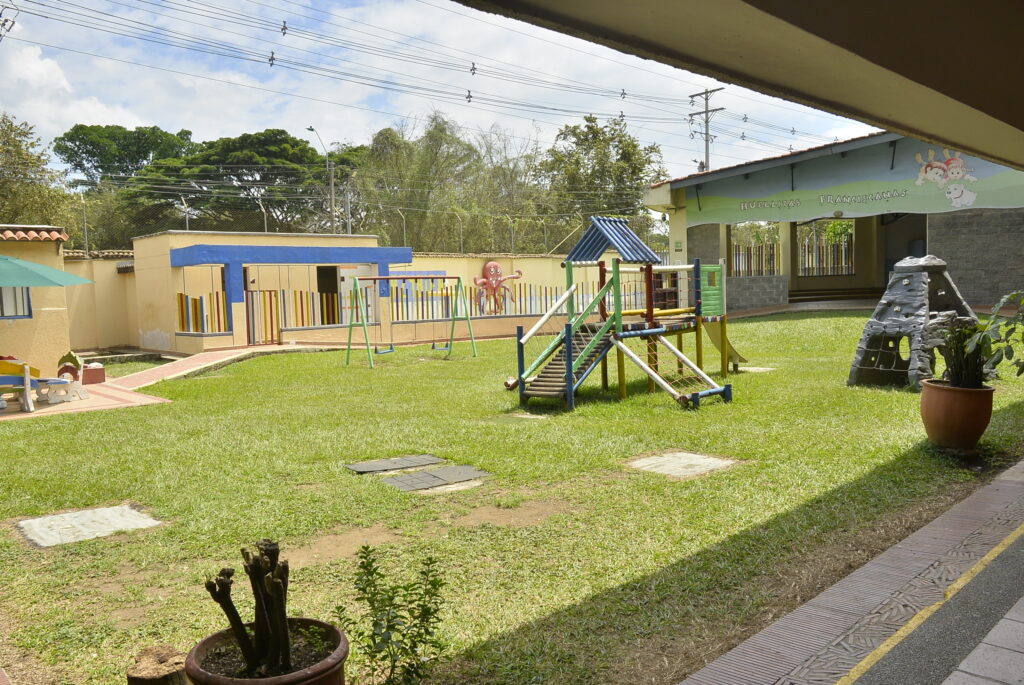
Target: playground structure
<point x="452" y="301"/>
<point x="583" y="345"/>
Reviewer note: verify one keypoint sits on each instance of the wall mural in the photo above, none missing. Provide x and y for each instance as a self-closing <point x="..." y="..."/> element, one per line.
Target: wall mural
<point x="895" y="174"/>
<point x="489" y="299"/>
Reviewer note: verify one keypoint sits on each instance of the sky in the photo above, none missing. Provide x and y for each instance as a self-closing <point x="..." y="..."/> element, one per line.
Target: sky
<point x="350" y="69"/>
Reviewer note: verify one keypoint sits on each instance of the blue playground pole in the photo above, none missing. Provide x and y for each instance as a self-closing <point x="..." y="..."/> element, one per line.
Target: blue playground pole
<point x="570" y="385"/>
<point x="521" y="360"/>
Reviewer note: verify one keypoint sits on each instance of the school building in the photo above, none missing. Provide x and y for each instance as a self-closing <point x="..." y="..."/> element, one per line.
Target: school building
<point x="901" y="197"/>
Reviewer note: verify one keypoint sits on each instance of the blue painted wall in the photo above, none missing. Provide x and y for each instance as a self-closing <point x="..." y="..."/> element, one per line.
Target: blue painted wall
<point x="234" y="257"/>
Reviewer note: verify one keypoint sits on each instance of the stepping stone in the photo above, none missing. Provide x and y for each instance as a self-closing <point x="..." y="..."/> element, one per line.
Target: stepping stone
<point x="681" y="464"/>
<point x="422" y="480"/>
<point x="75" y="526"/>
<point x="409" y="462"/>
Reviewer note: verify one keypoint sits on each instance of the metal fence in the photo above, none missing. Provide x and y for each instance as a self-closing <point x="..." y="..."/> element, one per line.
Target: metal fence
<point x="822" y="257"/>
<point x="756" y="260"/>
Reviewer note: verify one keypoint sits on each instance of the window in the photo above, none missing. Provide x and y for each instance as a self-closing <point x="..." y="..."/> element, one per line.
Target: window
<point x="15" y="303"/>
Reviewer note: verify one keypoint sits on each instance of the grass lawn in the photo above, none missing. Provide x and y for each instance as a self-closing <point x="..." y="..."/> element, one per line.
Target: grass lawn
<point x="126" y="368"/>
<point x="565" y="567"/>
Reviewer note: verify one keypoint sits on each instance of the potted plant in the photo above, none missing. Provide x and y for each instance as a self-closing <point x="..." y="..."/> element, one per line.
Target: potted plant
<point x="956" y="410"/>
<point x="273" y="648"/>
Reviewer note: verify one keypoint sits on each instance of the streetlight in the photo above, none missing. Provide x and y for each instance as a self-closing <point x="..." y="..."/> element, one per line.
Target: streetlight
<point x="330" y="173"/>
<point x="405" y="240"/>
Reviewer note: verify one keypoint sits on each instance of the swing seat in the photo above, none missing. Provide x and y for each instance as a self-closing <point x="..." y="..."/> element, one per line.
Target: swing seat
<point x="387" y="350"/>
<point x="440" y="348"/>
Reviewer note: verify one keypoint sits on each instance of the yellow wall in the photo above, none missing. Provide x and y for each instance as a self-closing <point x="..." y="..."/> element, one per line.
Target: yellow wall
<point x="42" y="339"/>
<point x="100" y="313"/>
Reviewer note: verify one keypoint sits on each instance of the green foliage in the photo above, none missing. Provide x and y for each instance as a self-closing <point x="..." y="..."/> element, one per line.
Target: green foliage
<point x="827" y="230"/>
<point x="1004" y="333"/>
<point x="966" y="350"/>
<point x="396" y="636"/>
<point x="223" y="185"/>
<point x="755" y="233"/>
<point x="30" y="193"/>
<point x="99" y="152"/>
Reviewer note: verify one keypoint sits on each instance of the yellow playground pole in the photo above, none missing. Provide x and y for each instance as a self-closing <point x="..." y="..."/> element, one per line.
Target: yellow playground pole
<point x="679" y="346"/>
<point x="723" y="345"/>
<point x="604" y="372"/>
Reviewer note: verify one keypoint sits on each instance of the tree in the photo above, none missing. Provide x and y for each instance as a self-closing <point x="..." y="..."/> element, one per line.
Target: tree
<point x="99" y="152"/>
<point x="601" y="169"/>
<point x="234" y="183"/>
<point x="30" y="193"/>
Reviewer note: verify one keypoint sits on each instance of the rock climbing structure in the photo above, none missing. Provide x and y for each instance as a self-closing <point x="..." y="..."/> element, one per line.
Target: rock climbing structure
<point x="918" y="306"/>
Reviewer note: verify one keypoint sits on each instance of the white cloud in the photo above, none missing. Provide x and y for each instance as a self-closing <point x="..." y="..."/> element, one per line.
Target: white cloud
<point x="56" y="89"/>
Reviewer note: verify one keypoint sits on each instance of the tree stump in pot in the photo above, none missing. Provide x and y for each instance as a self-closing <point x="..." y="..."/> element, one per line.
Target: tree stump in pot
<point x="160" y="665"/>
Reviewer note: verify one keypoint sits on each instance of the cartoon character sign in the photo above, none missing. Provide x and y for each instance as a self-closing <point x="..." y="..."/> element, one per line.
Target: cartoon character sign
<point x="959" y="195"/>
<point x="956" y="168"/>
<point x="492" y="284"/>
<point x="953" y="171"/>
<point x="931" y="171"/>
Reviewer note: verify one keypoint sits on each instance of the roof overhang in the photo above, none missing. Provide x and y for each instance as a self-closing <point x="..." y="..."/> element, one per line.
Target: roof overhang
<point x="944" y="76"/>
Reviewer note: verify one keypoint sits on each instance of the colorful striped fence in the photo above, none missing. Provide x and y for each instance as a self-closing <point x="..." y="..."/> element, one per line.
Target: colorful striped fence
<point x="203" y="314"/>
<point x="756" y="260"/>
<point x="432" y="301"/>
<point x="825" y="258"/>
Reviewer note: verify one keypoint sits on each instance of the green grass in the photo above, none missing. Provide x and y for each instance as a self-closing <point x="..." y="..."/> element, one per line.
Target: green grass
<point x="257" y="449"/>
<point x="125" y="368"/>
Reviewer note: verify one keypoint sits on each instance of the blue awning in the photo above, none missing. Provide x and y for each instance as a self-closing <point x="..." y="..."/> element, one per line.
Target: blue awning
<point x="614" y="233"/>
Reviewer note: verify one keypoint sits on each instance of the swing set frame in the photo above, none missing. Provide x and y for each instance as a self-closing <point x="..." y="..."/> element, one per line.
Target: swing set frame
<point x="359" y="304"/>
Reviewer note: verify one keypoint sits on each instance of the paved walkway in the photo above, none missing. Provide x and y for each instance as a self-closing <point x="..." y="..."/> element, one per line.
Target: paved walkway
<point x="837" y="635"/>
<point x="118" y="393"/>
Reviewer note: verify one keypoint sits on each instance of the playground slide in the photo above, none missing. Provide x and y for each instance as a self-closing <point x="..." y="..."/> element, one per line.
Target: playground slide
<point x="715" y="333"/>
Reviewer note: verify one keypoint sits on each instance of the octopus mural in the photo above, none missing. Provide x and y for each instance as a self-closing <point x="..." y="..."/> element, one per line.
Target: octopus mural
<point x="491" y="285"/>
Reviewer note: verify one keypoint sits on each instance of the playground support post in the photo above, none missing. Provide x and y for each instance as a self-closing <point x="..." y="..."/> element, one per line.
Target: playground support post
<point x="521" y="361"/>
<point x="570" y="377"/>
<point x="620" y="362"/>
<point x="698" y="320"/>
<point x="723" y="344"/>
<point x="570" y="305"/>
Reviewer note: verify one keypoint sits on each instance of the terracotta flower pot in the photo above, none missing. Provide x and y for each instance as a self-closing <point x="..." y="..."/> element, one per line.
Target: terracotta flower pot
<point x="330" y="671"/>
<point x="955" y="417"/>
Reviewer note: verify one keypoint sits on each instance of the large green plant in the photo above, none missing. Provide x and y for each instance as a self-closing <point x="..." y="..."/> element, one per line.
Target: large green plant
<point x="1003" y="334"/>
<point x="966" y="351"/>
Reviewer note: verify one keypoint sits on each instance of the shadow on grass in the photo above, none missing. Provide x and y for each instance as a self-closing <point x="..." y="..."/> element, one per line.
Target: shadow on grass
<point x="582" y="643"/>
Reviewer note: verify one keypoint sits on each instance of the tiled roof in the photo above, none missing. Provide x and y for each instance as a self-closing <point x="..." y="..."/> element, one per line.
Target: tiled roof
<point x="39" y="233"/>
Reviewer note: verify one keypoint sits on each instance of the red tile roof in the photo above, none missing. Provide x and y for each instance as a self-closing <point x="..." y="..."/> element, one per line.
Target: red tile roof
<point x="41" y="233"/>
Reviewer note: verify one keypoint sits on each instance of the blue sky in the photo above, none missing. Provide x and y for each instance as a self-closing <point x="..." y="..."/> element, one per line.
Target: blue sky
<point x="419" y="44"/>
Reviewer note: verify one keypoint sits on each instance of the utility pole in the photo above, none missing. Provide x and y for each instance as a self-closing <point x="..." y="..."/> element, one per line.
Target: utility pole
<point x="85" y="225"/>
<point x="185" y="209"/>
<point x="348" y="206"/>
<point x="264" y="210"/>
<point x="330" y="173"/>
<point x="706" y="113"/>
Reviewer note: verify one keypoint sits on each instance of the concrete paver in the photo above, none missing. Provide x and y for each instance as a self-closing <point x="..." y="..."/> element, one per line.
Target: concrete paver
<point x="995" y="663"/>
<point x="680" y="464"/>
<point x="86" y="524"/>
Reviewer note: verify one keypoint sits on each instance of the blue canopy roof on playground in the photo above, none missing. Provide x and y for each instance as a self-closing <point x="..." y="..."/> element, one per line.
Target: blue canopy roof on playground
<point x="607" y="232"/>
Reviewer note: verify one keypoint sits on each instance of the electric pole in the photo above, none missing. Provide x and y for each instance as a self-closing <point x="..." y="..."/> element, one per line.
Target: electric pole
<point x="706" y="113"/>
<point x="348" y="206"/>
<point x="330" y="172"/>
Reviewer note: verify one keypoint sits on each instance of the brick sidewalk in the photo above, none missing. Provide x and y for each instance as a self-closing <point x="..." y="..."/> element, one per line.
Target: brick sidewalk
<point x="821" y="641"/>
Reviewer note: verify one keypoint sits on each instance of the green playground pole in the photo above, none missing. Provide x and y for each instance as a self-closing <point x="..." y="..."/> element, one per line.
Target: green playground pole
<point x="363" y="316"/>
<point x="460" y="296"/>
<point x="570" y="305"/>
